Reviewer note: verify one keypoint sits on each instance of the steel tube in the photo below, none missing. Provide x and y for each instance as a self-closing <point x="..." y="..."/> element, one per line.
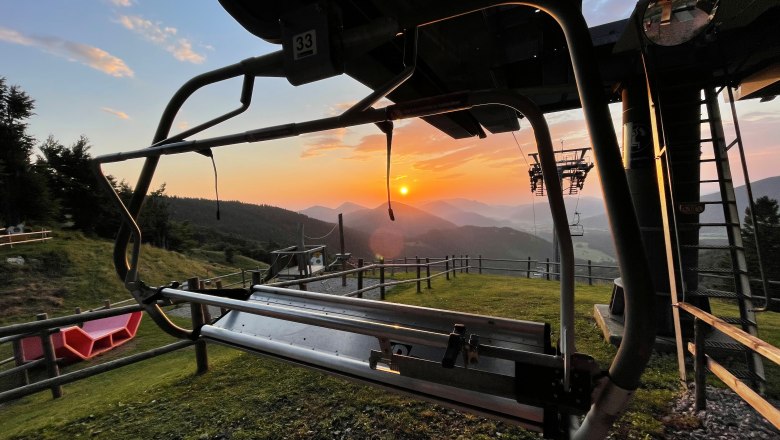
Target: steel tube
<point x="320" y="319"/>
<point x="407" y="310"/>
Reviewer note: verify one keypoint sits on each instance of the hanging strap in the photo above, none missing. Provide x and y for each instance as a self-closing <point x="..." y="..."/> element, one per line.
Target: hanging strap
<point x="387" y="128"/>
<point x="207" y="152"/>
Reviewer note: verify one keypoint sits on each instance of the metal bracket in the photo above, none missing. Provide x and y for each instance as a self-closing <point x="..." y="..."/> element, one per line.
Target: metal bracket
<point x="455" y="346"/>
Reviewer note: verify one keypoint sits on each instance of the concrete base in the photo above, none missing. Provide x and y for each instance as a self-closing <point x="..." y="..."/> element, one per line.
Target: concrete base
<point x="613" y="330"/>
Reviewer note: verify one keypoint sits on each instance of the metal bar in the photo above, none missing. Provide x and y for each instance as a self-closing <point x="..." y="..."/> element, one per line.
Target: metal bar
<point x="755" y="344"/>
<point x="90" y="371"/>
<point x="20" y="330"/>
<point x="402" y="309"/>
<point x="320" y="319"/>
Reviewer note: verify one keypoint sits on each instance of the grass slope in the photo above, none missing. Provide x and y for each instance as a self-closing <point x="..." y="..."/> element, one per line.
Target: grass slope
<point x="244" y="396"/>
<point x="72" y="270"/>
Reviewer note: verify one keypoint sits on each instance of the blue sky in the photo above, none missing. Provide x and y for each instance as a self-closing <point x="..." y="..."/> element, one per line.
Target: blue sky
<point x="106" y="69"/>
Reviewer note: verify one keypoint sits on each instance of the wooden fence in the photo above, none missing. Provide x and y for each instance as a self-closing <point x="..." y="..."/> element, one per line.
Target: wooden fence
<point x="24" y="237"/>
<point x="703" y="362"/>
<point x="531" y="268"/>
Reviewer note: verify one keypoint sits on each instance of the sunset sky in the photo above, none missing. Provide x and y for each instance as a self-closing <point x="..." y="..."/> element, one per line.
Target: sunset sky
<point x="106" y="69"/>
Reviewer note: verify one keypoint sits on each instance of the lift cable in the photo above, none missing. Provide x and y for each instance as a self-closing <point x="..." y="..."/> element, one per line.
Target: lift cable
<point x="533" y="203"/>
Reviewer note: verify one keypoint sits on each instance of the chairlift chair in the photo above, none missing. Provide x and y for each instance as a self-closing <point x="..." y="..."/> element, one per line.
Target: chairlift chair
<point x="504" y="368"/>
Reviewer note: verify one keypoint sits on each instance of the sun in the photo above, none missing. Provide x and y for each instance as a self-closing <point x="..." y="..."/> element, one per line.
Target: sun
<point x="404" y="190"/>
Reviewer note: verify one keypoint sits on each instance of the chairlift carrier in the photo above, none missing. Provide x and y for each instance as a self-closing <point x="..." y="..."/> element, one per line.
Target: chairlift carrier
<point x="498" y="367"/>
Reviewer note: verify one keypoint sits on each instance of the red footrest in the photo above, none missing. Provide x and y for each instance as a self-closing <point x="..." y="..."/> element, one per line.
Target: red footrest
<point x="95" y="337"/>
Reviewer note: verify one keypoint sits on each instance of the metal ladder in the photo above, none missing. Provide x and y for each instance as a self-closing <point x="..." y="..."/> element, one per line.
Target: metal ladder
<point x="735" y="277"/>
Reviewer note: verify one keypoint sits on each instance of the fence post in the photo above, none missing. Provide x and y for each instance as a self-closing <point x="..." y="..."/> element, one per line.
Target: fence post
<point x="255" y="278"/>
<point x="699" y="372"/>
<point x="480" y="264"/>
<point x="360" y="278"/>
<point x="547" y="268"/>
<point x="392" y="267"/>
<point x="460" y="263"/>
<point x="198" y="320"/>
<point x="590" y="274"/>
<point x="24" y="377"/>
<point x="454" y="268"/>
<point x="528" y="269"/>
<point x="447" y="266"/>
<point x="243" y="278"/>
<point x="106" y="303"/>
<point x="52" y="369"/>
<point x="382" y="278"/>
<point x="406" y="268"/>
<point x="428" y="271"/>
<point x="417" y="260"/>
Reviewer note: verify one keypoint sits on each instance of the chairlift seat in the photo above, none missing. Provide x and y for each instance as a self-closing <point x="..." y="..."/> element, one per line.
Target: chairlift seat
<point x="415" y="367"/>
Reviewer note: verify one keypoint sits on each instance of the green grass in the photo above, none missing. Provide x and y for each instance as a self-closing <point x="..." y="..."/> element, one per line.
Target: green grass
<point x="72" y="270"/>
<point x="244" y="396"/>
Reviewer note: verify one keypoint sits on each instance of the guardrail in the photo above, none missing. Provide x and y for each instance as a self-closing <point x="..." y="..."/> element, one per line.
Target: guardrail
<point x="702" y="361"/>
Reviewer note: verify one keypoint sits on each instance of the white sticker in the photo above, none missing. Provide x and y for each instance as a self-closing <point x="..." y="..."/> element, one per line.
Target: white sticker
<point x="304" y="44"/>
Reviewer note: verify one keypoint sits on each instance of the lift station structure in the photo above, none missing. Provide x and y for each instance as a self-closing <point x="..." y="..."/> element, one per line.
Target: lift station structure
<point x="470" y="68"/>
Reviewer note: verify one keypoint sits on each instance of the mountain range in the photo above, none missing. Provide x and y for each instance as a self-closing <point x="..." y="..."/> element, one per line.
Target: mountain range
<point x="433" y="229"/>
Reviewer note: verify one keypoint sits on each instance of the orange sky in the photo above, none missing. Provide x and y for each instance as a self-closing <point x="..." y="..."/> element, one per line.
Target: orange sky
<point x="330" y="168"/>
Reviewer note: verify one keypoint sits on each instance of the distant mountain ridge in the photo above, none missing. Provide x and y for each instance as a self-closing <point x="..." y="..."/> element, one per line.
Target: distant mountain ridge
<point x="331" y="214"/>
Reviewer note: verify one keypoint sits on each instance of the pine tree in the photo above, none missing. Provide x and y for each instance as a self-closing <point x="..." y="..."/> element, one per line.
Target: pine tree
<point x="23" y="191"/>
<point x="768" y="224"/>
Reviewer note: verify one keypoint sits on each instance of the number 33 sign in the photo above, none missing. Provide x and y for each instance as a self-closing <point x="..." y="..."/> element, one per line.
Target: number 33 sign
<point x="305" y="44"/>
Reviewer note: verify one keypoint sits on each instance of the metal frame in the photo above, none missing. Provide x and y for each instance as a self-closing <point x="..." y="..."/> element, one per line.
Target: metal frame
<point x="635" y="351"/>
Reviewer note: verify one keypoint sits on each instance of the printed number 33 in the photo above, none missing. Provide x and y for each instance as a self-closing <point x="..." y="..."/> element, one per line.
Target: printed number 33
<point x="303" y="42"/>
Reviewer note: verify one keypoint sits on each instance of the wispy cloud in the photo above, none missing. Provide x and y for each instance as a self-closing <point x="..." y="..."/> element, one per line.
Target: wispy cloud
<point x="122" y="3"/>
<point x="163" y="36"/>
<point x="93" y="57"/>
<point x="117" y="113"/>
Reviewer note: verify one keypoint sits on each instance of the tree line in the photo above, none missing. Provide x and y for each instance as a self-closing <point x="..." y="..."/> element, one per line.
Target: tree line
<point x="56" y="183"/>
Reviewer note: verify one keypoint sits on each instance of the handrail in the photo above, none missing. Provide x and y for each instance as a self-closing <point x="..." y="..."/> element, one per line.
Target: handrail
<point x="758" y="345"/>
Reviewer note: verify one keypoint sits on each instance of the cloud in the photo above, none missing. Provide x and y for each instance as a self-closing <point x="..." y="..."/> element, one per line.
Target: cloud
<point x="93" y="57"/>
<point x="122" y="3"/>
<point x="117" y="113"/>
<point x="318" y="143"/>
<point x="163" y="36"/>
